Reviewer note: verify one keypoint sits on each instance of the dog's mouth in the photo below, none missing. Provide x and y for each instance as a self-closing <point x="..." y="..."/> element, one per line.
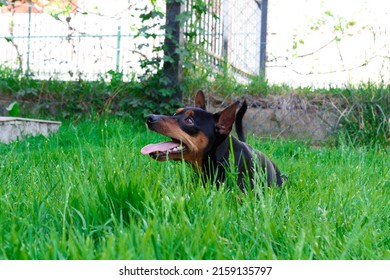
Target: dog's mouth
<point x="165" y="150"/>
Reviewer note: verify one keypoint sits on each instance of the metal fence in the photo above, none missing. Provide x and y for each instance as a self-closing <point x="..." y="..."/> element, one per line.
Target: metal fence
<point x="232" y="34"/>
<point x="304" y="48"/>
<point x="87" y="45"/>
<point x="77" y="46"/>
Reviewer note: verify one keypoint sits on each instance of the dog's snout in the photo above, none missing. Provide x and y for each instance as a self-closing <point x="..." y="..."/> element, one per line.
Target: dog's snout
<point x="151" y="119"/>
<point x="155" y="122"/>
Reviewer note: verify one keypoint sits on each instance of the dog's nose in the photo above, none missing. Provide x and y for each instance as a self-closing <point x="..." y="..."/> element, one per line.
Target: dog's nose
<point x="151" y="119"/>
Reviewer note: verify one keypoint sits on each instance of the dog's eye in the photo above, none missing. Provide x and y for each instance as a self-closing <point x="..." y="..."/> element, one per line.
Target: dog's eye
<point x="189" y="121"/>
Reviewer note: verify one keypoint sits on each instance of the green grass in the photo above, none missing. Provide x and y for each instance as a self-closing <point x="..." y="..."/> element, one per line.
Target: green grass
<point x="88" y="193"/>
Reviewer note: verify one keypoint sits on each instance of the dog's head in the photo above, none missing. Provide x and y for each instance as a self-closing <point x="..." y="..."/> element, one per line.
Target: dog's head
<point x="193" y="132"/>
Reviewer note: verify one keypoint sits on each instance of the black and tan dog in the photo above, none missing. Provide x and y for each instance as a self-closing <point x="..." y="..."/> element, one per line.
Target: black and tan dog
<point x="203" y="139"/>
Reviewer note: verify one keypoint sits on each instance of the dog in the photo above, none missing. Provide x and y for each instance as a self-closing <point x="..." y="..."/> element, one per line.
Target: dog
<point x="203" y="139"/>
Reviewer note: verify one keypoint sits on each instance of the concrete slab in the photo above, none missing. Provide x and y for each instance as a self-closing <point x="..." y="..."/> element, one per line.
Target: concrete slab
<point x="13" y="129"/>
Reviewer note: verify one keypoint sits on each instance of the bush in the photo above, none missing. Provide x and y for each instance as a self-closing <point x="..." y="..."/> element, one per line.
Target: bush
<point x="64" y="99"/>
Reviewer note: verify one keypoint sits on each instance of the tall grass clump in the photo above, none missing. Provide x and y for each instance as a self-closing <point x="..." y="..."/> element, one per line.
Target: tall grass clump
<point x="226" y="82"/>
<point x="365" y="121"/>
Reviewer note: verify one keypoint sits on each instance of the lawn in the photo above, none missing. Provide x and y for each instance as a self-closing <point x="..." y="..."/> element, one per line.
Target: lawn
<point x="88" y="193"/>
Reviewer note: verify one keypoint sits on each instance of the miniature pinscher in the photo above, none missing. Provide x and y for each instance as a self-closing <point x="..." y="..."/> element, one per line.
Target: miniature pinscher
<point x="203" y="139"/>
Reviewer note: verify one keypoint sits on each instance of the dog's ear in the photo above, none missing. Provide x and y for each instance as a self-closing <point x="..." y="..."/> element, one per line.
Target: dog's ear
<point x="200" y="100"/>
<point x="225" y="119"/>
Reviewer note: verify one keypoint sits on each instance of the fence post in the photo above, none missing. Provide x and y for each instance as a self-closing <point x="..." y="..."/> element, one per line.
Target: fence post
<point x="27" y="74"/>
<point x="172" y="67"/>
<point x="225" y="30"/>
<point x="263" y="37"/>
<point x="118" y="48"/>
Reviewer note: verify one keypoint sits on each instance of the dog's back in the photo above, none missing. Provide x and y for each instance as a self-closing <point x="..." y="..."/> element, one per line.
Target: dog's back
<point x="247" y="162"/>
